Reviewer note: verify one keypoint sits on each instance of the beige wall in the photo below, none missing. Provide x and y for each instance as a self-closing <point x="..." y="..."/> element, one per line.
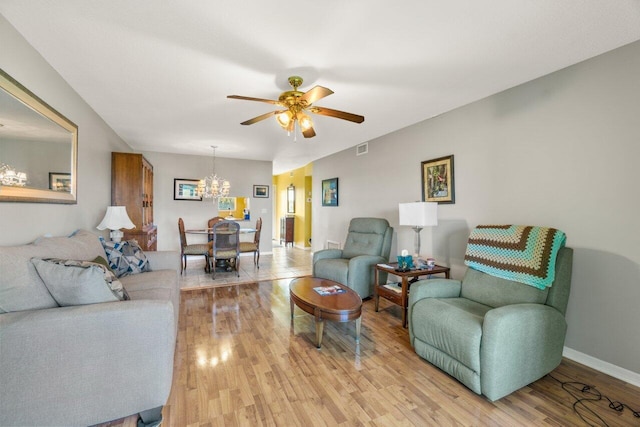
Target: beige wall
<point x="242" y="174"/>
<point x="24" y="222"/>
<point x="560" y="151"/>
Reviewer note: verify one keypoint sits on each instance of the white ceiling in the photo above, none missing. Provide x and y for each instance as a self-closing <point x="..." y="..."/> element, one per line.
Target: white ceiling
<point x="159" y="71"/>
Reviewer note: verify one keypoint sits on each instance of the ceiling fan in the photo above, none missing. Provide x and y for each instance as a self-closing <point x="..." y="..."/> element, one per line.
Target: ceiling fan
<point x="296" y="105"/>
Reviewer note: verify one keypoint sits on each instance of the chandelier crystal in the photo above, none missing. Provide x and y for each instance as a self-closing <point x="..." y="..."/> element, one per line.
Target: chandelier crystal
<point x="10" y="177"/>
<point x="212" y="186"/>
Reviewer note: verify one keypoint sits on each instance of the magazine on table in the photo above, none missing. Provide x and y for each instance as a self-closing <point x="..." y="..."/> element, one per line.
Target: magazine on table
<point x="329" y="290"/>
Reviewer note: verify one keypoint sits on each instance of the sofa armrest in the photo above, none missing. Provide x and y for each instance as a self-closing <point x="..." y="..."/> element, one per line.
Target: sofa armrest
<point x="520" y="344"/>
<point x="327" y="254"/>
<point x="83" y="365"/>
<point x="163" y="260"/>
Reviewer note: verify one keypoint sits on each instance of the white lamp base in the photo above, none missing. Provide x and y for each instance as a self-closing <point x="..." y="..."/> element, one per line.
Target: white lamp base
<point x="116" y="235"/>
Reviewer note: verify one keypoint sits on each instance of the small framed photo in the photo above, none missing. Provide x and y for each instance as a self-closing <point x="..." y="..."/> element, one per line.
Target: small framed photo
<point x="261" y="191"/>
<point x="437" y="180"/>
<point x="186" y="189"/>
<point x="330" y="192"/>
<point x="60" y="181"/>
<point x="226" y="204"/>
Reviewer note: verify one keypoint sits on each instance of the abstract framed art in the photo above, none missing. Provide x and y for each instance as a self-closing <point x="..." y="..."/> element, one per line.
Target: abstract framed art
<point x="330" y="192"/>
<point x="437" y="180"/>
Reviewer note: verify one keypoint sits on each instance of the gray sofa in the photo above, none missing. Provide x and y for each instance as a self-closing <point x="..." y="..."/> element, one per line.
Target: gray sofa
<point x="84" y="364"/>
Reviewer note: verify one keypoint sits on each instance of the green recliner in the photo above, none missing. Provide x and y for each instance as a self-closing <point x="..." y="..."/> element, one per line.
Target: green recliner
<point x="493" y="335"/>
<point x="368" y="243"/>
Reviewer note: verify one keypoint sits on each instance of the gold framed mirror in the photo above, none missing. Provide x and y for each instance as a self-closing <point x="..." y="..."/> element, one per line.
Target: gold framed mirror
<point x="291" y="199"/>
<point x="38" y="148"/>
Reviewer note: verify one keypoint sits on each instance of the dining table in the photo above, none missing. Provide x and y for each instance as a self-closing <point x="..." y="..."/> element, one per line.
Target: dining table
<point x="222" y="263"/>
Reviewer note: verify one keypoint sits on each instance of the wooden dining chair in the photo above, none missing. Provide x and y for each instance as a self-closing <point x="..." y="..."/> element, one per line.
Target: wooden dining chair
<point x="226" y="245"/>
<point x="191" y="250"/>
<point x="255" y="245"/>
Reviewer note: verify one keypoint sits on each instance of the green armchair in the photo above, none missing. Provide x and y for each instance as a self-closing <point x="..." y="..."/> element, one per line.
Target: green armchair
<point x="368" y="243"/>
<point x="493" y="335"/>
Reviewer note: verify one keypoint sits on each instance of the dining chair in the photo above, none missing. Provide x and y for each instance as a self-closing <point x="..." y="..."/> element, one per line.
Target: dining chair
<point x="226" y="245"/>
<point x="255" y="245"/>
<point x="191" y="250"/>
<point x="213" y="221"/>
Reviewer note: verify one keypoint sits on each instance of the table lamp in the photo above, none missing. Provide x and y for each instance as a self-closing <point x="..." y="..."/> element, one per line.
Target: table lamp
<point x="115" y="219"/>
<point x="418" y="215"/>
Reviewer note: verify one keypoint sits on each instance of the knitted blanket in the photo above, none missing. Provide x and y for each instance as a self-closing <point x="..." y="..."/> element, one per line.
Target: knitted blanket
<point x="520" y="253"/>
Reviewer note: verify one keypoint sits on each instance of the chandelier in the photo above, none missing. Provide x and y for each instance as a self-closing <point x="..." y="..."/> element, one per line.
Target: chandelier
<point x="212" y="186"/>
<point x="10" y="177"/>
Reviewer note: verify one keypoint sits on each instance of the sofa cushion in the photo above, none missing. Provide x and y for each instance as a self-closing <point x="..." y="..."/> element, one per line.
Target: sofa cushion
<point x="20" y="285"/>
<point x="366" y="237"/>
<point x="154" y="285"/>
<point x="73" y="282"/>
<point x="451" y="325"/>
<point x="497" y="292"/>
<point x="126" y="257"/>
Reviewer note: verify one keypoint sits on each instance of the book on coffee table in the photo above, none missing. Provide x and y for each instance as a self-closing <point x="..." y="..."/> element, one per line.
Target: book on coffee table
<point x="329" y="290"/>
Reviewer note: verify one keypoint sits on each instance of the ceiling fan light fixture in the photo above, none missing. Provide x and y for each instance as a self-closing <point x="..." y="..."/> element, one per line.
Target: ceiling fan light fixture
<point x="305" y="121"/>
<point x="284" y="118"/>
<point x="296" y="105"/>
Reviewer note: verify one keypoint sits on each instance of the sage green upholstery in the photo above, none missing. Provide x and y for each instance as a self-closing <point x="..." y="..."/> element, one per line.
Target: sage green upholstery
<point x="494" y="335"/>
<point x="368" y="243"/>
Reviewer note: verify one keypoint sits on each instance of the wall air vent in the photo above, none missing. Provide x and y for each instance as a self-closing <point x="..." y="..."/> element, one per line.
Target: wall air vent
<point x="332" y="244"/>
<point x="362" y="149"/>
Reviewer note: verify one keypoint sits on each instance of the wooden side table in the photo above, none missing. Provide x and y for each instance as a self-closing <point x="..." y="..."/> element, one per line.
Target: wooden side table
<point x="402" y="298"/>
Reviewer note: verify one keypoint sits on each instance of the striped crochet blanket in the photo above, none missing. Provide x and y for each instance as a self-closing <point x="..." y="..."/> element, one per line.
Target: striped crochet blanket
<point x="520" y="253"/>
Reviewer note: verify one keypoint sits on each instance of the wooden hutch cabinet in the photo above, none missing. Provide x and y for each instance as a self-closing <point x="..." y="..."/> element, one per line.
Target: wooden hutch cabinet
<point x="286" y="230"/>
<point x="132" y="186"/>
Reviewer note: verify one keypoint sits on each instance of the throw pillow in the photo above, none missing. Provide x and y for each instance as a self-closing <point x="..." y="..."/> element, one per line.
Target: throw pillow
<point x="73" y="282"/>
<point x="125" y="257"/>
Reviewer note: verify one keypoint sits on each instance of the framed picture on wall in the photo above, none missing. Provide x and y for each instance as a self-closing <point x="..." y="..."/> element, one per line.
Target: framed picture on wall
<point x="185" y="189"/>
<point x="437" y="180"/>
<point x="59" y="181"/>
<point x="261" y="191"/>
<point x="330" y="192"/>
<point x="227" y="204"/>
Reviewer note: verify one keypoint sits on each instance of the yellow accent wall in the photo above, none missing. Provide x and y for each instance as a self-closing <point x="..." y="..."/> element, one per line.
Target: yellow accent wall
<point x="300" y="178"/>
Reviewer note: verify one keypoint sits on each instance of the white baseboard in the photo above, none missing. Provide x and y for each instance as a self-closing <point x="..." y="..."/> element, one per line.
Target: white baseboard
<point x="602" y="366"/>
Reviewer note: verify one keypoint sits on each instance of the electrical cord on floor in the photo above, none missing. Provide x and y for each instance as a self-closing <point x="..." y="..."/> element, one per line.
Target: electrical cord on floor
<point x="583" y="394"/>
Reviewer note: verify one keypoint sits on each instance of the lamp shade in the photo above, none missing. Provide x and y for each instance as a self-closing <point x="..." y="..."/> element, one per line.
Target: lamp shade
<point x="419" y="214"/>
<point x="115" y="219"/>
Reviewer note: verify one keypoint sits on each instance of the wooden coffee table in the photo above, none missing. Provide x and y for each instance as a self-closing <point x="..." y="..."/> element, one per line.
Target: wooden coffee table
<point x="342" y="307"/>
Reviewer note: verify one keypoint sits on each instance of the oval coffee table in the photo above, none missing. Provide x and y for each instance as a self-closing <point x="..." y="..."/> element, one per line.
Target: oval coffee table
<point x="342" y="307"/>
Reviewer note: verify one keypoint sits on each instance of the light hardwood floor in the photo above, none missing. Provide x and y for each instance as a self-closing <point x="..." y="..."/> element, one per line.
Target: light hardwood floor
<point x="241" y="361"/>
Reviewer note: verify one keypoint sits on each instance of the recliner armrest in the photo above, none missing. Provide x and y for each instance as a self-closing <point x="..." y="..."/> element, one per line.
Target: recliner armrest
<point x="434" y="288"/>
<point x="327" y="254"/>
<point x="520" y="344"/>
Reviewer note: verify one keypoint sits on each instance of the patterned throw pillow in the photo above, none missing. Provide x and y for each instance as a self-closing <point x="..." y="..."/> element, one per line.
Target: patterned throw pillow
<point x="125" y="257"/>
<point x="73" y="282"/>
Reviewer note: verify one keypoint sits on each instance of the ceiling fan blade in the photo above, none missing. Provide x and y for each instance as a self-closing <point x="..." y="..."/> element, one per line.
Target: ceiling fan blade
<point x="315" y="93"/>
<point x="309" y="133"/>
<point x="337" y="114"/>
<point x="248" y="98"/>
<point x="261" y="117"/>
